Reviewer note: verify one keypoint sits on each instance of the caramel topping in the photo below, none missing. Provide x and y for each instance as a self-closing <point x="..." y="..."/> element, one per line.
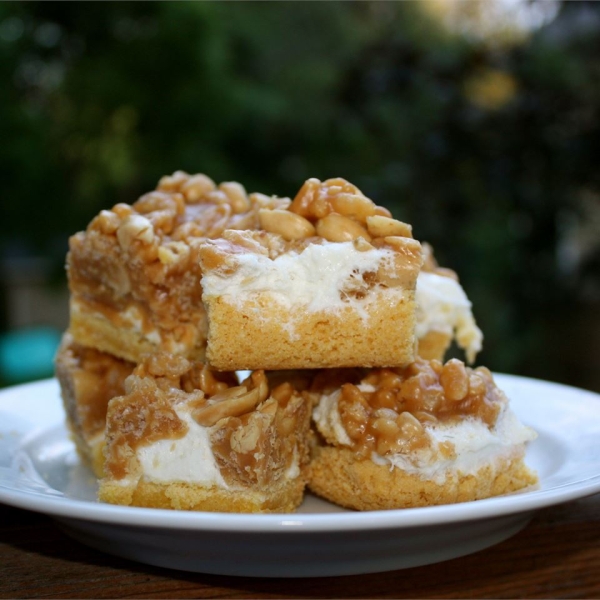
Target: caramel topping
<point x="340" y="212"/>
<point x="387" y="409"/>
<point x="317" y="199"/>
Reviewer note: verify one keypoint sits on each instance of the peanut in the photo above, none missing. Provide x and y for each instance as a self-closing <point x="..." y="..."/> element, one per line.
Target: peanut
<point x="122" y="210"/>
<point x="379" y="226"/>
<point x="232" y="402"/>
<point x="338" y="228"/>
<point x="236" y="193"/>
<point x="132" y="228"/>
<point x="173" y="252"/>
<point x="196" y="187"/>
<point x="172" y="183"/>
<point x="353" y="205"/>
<point x="454" y="380"/>
<point x="409" y="425"/>
<point x="290" y="226"/>
<point x="404" y="244"/>
<point x="305" y="197"/>
<point x="382" y="211"/>
<point x="263" y="201"/>
<point x="362" y="245"/>
<point x="107" y="222"/>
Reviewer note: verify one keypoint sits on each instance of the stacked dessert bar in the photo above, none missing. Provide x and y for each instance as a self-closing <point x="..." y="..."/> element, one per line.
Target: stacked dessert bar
<point x="226" y="350"/>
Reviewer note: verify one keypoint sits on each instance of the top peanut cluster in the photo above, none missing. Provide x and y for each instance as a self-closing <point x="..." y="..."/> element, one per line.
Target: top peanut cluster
<point x="186" y="206"/>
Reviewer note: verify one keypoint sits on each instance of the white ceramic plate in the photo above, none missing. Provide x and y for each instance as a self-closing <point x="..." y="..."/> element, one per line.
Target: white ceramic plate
<point x="40" y="471"/>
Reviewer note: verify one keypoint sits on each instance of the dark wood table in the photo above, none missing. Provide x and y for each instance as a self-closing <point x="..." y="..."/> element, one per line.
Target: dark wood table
<point x="556" y="556"/>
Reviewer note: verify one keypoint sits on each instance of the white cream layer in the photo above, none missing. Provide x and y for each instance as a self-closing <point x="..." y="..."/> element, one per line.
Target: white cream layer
<point x="475" y="444"/>
<point x="314" y="278"/>
<point x="443" y="306"/>
<point x="187" y="459"/>
<point x="190" y="458"/>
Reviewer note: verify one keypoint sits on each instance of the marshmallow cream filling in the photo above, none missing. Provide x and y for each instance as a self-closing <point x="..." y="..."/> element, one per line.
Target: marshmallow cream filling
<point x="187" y="459"/>
<point x="476" y="446"/>
<point x="443" y="306"/>
<point x="314" y="278"/>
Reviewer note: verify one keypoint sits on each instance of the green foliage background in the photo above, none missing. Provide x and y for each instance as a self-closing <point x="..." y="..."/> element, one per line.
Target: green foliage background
<point x="99" y="100"/>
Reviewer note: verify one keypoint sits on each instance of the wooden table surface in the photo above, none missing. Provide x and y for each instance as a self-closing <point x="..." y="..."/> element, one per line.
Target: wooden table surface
<point x="556" y="556"/>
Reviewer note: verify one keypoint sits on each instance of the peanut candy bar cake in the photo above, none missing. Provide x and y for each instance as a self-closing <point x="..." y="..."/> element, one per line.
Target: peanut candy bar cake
<point x="422" y="435"/>
<point x="136" y="273"/>
<point x="143" y="276"/>
<point x="185" y="437"/>
<point x="330" y="282"/>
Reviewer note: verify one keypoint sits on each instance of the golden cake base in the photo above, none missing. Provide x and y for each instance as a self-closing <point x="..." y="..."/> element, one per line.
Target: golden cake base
<point x="261" y="334"/>
<point x="283" y="498"/>
<point x="338" y="476"/>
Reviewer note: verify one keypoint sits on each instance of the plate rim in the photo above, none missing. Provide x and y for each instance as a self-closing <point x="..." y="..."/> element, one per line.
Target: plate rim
<point x="340" y="522"/>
